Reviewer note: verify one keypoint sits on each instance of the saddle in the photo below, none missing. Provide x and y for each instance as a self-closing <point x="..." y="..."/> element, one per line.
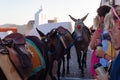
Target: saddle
<point x="17" y="37"/>
<point x="3" y="49"/>
<point x="19" y="56"/>
<point x="65" y="36"/>
<point x="36" y="47"/>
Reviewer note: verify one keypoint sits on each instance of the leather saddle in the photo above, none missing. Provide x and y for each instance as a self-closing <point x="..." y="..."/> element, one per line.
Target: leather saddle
<point x="18" y="54"/>
<point x="66" y="36"/>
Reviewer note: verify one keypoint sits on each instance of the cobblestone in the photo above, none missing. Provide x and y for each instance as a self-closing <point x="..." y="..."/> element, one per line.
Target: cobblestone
<point x="75" y="72"/>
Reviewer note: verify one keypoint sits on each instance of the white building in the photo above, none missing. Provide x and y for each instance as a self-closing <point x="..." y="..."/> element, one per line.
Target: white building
<point x="45" y="28"/>
<point x="110" y="2"/>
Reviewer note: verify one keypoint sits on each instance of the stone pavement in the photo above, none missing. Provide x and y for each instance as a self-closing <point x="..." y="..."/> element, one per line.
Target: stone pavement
<point x="70" y="78"/>
<point x="75" y="72"/>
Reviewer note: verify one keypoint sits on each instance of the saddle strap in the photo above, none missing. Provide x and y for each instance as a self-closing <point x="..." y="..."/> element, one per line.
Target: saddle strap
<point x="63" y="42"/>
<point x="16" y="61"/>
<point x="24" y="58"/>
<point x="66" y="39"/>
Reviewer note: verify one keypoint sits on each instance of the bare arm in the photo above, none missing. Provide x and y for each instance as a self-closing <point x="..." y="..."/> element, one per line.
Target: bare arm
<point x="102" y="54"/>
<point x="94" y="38"/>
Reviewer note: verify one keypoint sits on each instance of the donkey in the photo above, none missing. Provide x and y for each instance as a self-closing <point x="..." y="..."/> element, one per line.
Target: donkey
<point x="81" y="36"/>
<point x="62" y="41"/>
<point x="23" y="58"/>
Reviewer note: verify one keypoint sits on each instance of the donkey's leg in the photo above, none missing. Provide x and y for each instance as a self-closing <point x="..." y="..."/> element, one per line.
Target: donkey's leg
<point x="79" y="59"/>
<point x="51" y="70"/>
<point x="68" y="58"/>
<point x="82" y="58"/>
<point x="63" y="68"/>
<point x="58" y="70"/>
<point x="85" y="59"/>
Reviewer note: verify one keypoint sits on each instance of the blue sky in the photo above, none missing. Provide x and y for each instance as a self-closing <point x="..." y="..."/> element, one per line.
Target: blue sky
<point x="21" y="11"/>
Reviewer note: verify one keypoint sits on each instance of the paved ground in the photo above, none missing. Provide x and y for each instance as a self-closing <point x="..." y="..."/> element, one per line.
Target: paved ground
<point x="75" y="73"/>
<point x="70" y="78"/>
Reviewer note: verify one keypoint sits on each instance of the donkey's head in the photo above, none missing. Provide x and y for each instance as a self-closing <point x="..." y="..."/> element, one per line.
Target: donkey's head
<point x="47" y="39"/>
<point x="79" y="22"/>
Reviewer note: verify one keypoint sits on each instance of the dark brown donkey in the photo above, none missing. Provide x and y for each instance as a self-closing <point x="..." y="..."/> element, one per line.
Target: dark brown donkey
<point x="62" y="41"/>
<point x="24" y="57"/>
<point x="81" y="36"/>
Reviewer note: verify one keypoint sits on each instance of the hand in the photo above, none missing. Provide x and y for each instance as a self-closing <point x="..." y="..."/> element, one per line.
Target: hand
<point x="103" y="77"/>
<point x="100" y="53"/>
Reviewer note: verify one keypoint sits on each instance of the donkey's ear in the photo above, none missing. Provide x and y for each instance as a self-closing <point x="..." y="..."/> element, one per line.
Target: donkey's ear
<point x="40" y="33"/>
<point x="73" y="18"/>
<point x="84" y="17"/>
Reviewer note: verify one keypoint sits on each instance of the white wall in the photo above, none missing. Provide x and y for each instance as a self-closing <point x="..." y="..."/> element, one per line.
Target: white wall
<point x="45" y="28"/>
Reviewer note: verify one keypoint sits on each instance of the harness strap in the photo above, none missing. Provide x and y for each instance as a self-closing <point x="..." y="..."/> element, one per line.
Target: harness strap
<point x="65" y="50"/>
<point x="24" y="58"/>
<point x="61" y="39"/>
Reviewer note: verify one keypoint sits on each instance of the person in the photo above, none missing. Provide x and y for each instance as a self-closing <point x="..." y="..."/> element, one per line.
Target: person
<point x="96" y="38"/>
<point x="102" y="11"/>
<point x="112" y="21"/>
<point x="110" y="52"/>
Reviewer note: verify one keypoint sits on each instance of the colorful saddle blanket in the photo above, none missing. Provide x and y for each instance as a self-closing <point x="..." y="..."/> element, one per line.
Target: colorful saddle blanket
<point x="38" y="61"/>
